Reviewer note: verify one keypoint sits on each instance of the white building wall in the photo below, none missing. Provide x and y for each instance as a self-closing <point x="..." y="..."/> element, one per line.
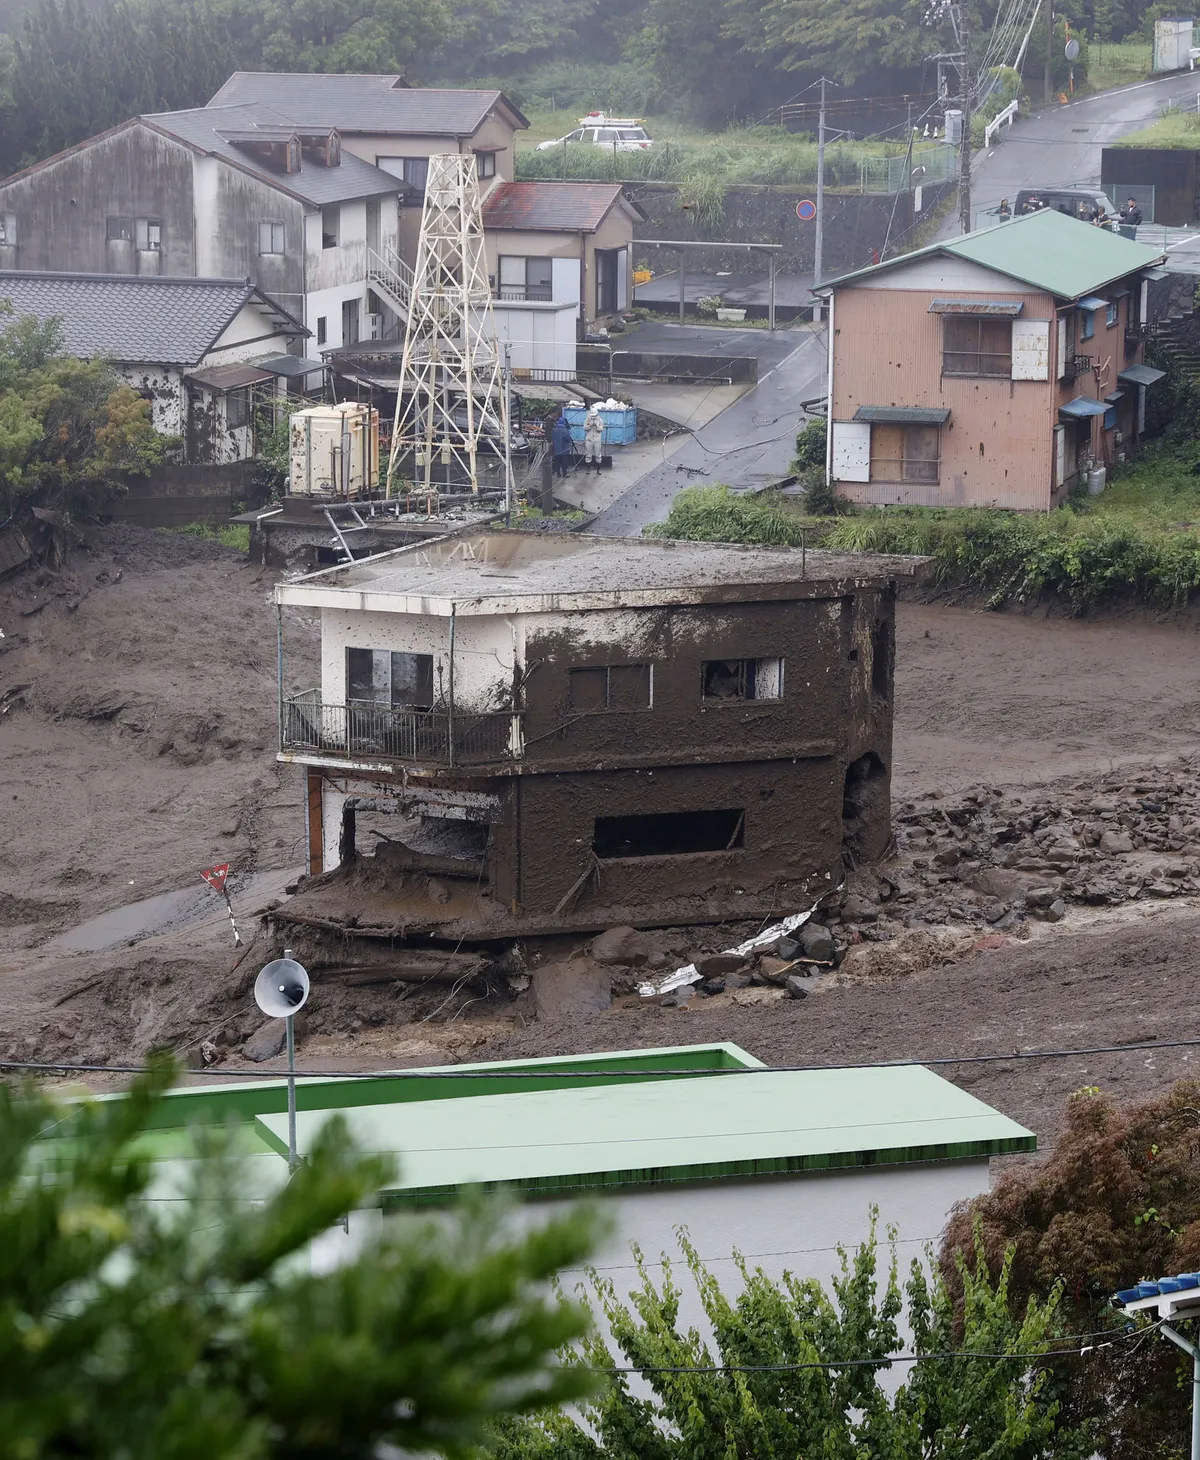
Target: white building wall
<point x="542" y="336"/>
<point x="168" y="394"/>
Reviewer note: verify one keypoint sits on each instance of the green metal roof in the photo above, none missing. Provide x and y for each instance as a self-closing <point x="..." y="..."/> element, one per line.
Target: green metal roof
<point x="675" y="1129"/>
<point x="1045" y="250"/>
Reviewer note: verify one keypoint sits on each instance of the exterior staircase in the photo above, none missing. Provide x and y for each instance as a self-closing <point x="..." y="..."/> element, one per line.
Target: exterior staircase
<point x="392" y="279"/>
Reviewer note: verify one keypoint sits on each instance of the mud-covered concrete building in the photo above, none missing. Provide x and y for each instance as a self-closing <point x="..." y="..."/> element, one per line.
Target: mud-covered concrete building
<point x="209" y="355"/>
<point x="526" y="733"/>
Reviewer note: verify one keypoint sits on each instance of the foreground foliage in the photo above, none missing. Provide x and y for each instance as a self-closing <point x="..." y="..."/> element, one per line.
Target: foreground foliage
<point x="1117" y="1201"/>
<point x="191" y="1329"/>
<point x="68" y="428"/>
<point x="783" y="1402"/>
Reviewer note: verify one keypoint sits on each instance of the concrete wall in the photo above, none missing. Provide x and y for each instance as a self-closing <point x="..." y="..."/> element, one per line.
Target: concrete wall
<point x="231" y="205"/>
<point x="62" y="207"/>
<point x="177" y="494"/>
<point x="855" y="224"/>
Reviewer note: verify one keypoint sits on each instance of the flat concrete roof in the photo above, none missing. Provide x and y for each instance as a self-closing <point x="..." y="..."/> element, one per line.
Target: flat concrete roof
<point x="501" y="571"/>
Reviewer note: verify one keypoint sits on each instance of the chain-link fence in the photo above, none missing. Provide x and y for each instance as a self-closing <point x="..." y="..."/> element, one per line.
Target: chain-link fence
<point x="1119" y="194"/>
<point x="896" y="174"/>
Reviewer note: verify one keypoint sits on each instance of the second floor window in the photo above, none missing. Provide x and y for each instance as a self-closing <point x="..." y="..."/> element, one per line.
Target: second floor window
<point x="397" y="681"/>
<point x="148" y="234"/>
<point x="118" y="229"/>
<point x="526" y="278"/>
<point x="742" y="679"/>
<point x="974" y="346"/>
<point x="331" y="227"/>
<point x="485" y="163"/>
<point x="8" y="230"/>
<point x="612" y="687"/>
<point x="412" y="173"/>
<point x="271" y="238"/>
<point x="322" y="329"/>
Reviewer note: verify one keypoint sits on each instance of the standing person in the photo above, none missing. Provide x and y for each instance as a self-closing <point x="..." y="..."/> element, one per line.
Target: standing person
<point x="561" y="446"/>
<point x="593" y="439"/>
<point x="1131" y="216"/>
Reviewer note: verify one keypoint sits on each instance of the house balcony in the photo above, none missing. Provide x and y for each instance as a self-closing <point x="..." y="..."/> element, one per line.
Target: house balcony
<point x="1075" y="366"/>
<point x="363" y="735"/>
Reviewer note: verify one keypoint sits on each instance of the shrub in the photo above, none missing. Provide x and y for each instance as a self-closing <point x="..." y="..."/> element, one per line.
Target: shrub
<point x="715" y="514"/>
<point x="811" y="444"/>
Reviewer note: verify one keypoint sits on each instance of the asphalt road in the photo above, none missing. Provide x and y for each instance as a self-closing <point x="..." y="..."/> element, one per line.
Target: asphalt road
<point x="1061" y="147"/>
<point x="749" y="444"/>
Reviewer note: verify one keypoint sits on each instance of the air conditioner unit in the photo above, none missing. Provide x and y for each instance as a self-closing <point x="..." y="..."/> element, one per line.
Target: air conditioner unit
<point x="374" y="326"/>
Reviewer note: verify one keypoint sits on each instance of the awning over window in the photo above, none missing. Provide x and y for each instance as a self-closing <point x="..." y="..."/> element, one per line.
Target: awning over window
<point x="288" y="365"/>
<point x="1140" y="375"/>
<point x="1114" y="396"/>
<point x="903" y="415"/>
<point x="1082" y="407"/>
<point x="1157" y="272"/>
<point x="1004" y="307"/>
<point x="1093" y="302"/>
<point x="229" y="377"/>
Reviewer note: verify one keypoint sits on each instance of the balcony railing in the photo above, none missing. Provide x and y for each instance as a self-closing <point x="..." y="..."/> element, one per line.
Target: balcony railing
<point x="363" y="731"/>
<point x="526" y="293"/>
<point x="1076" y="365"/>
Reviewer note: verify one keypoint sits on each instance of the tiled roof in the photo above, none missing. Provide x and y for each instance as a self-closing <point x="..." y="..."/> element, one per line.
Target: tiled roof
<point x="207" y="129"/>
<point x="142" y="320"/>
<point x="1046" y="250"/>
<point x="569" y="207"/>
<point x="366" y="103"/>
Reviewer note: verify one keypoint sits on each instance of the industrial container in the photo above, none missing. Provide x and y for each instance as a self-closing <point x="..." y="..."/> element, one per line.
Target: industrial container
<point x="334" y="451"/>
<point x="620" y="424"/>
<point x="1172" y="44"/>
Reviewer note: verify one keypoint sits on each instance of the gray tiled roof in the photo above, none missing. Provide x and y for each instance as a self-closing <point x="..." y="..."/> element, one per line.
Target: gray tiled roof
<point x="315" y="184"/>
<point x="366" y="103"/>
<point x="141" y="320"/>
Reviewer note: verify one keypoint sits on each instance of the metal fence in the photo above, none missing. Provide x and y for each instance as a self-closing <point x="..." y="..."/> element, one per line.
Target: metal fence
<point x="375" y="732"/>
<point x="1142" y="194"/>
<point x="895" y="174"/>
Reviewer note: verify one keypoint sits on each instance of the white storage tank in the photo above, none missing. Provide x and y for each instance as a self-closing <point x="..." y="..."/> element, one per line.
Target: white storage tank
<point x="334" y="451"/>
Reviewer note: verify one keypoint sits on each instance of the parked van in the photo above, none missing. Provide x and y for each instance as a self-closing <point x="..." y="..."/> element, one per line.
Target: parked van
<point x="1066" y="200"/>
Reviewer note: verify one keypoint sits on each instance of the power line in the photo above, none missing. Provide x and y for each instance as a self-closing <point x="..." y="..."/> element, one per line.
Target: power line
<point x="456" y="1072"/>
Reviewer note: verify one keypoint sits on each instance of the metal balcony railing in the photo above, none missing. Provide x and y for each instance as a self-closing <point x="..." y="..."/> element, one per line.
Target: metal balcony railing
<point x="360" y="730"/>
<point x="1075" y="366"/>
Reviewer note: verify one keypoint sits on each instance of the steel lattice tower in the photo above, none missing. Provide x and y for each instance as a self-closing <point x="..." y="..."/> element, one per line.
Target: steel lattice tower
<point x="450" y="370"/>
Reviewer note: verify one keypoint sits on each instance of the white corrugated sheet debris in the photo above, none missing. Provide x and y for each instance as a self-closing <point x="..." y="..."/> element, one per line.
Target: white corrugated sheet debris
<point x="688" y="974"/>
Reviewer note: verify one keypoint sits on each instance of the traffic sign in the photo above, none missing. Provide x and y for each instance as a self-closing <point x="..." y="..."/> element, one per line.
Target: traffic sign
<point x="806" y="210"/>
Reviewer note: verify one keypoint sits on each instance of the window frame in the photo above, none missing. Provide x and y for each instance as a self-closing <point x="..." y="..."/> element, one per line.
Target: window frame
<point x="412" y="193"/>
<point x="124" y="225"/>
<point x="746" y="675"/>
<point x="151" y="230"/>
<point x="423" y="664"/>
<point x="1112" y="315"/>
<point x="952" y="322"/>
<point x="331" y="238"/>
<point x="609" y="707"/>
<point x="485" y="164"/>
<point x="526" y="292"/>
<point x="271" y="227"/>
<point x="1087" y="324"/>
<point x="8" y="230"/>
<point x="322" y="329"/>
<point x="909" y="468"/>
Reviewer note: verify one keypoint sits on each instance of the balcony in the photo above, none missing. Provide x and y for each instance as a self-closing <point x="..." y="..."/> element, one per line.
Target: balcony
<point x="363" y="732"/>
<point x="1076" y="365"/>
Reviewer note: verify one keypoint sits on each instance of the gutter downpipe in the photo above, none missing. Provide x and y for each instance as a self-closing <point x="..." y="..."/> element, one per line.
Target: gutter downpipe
<point x="279" y="668"/>
<point x="829" y="404"/>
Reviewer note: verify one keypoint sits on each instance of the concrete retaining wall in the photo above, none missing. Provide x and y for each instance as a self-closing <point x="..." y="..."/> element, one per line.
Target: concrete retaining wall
<point x="177" y="494"/>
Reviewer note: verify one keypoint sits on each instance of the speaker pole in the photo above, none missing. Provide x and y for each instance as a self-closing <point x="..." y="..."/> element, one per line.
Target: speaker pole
<point x="293" y="1158"/>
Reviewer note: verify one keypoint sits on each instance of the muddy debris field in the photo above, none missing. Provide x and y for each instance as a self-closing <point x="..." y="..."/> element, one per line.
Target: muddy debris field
<point x="1043" y="890"/>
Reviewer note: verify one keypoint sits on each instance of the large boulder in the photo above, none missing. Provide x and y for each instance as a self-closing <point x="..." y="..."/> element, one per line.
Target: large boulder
<point x="572" y="989"/>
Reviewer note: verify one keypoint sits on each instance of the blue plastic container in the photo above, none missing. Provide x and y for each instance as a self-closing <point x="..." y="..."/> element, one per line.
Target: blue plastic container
<point x="620" y="426"/>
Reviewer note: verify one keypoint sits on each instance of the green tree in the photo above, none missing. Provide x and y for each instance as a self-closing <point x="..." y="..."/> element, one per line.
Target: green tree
<point x="158" y="1330"/>
<point x="804" y="1369"/>
<point x="1118" y="1200"/>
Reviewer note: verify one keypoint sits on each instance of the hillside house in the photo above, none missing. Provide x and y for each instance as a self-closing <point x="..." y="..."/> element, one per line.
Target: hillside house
<point x="657" y="1147"/>
<point x="991" y="369"/>
<point x="556" y="732"/>
<point x="207" y="354"/>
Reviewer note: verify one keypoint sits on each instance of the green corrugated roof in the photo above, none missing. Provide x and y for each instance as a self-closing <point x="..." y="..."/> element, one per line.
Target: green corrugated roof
<point x="682" y="1129"/>
<point x="1046" y="250"/>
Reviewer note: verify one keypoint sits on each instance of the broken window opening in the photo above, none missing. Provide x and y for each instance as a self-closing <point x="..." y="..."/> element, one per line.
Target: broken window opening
<point x="669" y="834"/>
<point x="331" y="226"/>
<point x="742" y="679"/>
<point x="398" y="681"/>
<point x="612" y="687"/>
<point x="866" y="810"/>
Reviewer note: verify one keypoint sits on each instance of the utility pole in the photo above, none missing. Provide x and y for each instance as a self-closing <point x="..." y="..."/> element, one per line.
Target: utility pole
<point x="819" y="241"/>
<point x="962" y="31"/>
<point x="1049" y="77"/>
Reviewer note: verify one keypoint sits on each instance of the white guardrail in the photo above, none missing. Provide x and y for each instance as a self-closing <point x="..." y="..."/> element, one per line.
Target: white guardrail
<point x="1007" y="115"/>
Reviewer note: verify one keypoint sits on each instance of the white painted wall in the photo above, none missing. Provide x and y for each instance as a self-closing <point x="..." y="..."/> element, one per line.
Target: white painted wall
<point x="542" y="336"/>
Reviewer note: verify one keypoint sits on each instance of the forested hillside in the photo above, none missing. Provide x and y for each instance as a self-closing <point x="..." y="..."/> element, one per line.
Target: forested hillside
<point x="69" y="68"/>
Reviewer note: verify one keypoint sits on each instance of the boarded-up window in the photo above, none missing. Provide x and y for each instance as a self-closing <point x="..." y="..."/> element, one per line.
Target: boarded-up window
<point x="975" y="346"/>
<point x="905" y="453"/>
<point x="1031" y="349"/>
<point x="851" y="451"/>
